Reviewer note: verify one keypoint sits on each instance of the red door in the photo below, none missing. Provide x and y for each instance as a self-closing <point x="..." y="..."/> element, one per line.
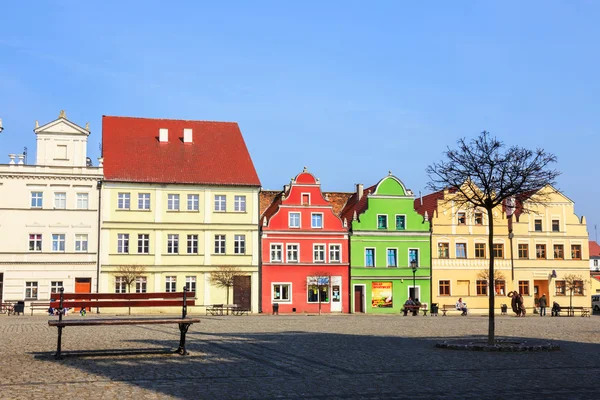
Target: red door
<point x="83" y="285"/>
<point x="358" y="299"/>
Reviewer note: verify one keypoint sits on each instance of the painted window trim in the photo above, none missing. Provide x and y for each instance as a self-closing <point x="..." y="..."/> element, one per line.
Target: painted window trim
<point x="374" y="257"/>
<point x="418" y="250"/>
<point x="302" y="194"/>
<point x="297" y="253"/>
<point x="449" y="287"/>
<point x="386" y="221"/>
<point x="290" y="220"/>
<point x="290" y="291"/>
<point x="322" y="220"/>
<point x="339" y="246"/>
<point x="324" y="245"/>
<point x="396" y="222"/>
<point x="224" y="202"/>
<point x="271" y="252"/>
<point x="456" y="251"/>
<point x="240" y="197"/>
<point x="387" y="257"/>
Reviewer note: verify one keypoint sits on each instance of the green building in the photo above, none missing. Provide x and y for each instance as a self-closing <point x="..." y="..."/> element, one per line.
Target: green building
<point x="389" y="248"/>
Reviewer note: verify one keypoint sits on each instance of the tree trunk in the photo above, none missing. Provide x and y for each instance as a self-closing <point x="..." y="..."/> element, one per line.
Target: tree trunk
<point x="571" y="303"/>
<point x="227" y="299"/>
<point x="491" y="283"/>
<point x="129" y="291"/>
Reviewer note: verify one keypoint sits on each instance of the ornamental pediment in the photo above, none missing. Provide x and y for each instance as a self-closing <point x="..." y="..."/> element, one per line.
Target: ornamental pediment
<point x="62" y="126"/>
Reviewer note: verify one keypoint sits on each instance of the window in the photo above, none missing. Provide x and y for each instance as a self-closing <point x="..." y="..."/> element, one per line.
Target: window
<point x="173" y="202"/>
<point x="334" y="253"/>
<point x="400" y="222"/>
<point x="36" y="199"/>
<point x="595" y="263"/>
<point x="524" y="288"/>
<point x="281" y="292"/>
<point x="192" y="244"/>
<point x="443" y="250"/>
<point x="55" y="286"/>
<point x="143" y="243"/>
<point x="219" y="244"/>
<point x="123" y="200"/>
<point x="478" y="218"/>
<point x="317" y="220"/>
<point x="369" y="257"/>
<point x="462" y="218"/>
<point x="318" y="253"/>
<point x="171" y="284"/>
<point x="239" y="244"/>
<point x="61" y="152"/>
<point x="172" y="244"/>
<point x="190" y="283"/>
<point x="500" y="287"/>
<point x="561" y="288"/>
<point x="540" y="251"/>
<point x="120" y="285"/>
<point x="523" y="251"/>
<point x="392" y="257"/>
<point x="58" y="242"/>
<point x="498" y="250"/>
<point x="123" y="243"/>
<point x="444" y="288"/>
<point x="479" y="250"/>
<point x="555" y="225"/>
<point x="481" y="287"/>
<point x="141" y="284"/>
<point x="537" y="225"/>
<point x="276" y="252"/>
<point x="413" y="257"/>
<point x="143" y="201"/>
<point x="193" y="202"/>
<point x="305" y="199"/>
<point x="576" y="252"/>
<point x="81" y="243"/>
<point x="294" y="220"/>
<point x="559" y="252"/>
<point x="292" y="253"/>
<point x="318" y="289"/>
<point x="35" y="242"/>
<point x="82" y="201"/>
<point x="239" y="203"/>
<point x="578" y="288"/>
<point x="220" y="203"/>
<point x="461" y="250"/>
<point x="382" y="222"/>
<point x="60" y="200"/>
<point x="31" y="290"/>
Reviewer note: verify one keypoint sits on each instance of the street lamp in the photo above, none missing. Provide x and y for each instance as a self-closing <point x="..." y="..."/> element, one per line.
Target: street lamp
<point x="415" y="266"/>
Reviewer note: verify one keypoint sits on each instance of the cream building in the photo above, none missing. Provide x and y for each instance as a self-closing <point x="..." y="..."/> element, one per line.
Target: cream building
<point x="547" y="244"/>
<point x="49" y="216"/>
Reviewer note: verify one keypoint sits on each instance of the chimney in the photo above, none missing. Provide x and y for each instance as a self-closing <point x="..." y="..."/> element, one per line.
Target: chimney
<point x="187" y="135"/>
<point x="421" y="196"/>
<point x="359" y="190"/>
<point x="163" y="135"/>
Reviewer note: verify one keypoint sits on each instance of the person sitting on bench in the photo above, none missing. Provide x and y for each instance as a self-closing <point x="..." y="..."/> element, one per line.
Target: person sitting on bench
<point x="555" y="309"/>
<point x="408" y="305"/>
<point x="461" y="306"/>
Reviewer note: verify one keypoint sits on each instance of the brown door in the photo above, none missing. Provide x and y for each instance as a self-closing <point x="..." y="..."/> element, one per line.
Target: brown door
<point x="241" y="292"/>
<point x="358" y="299"/>
<point x="83" y="285"/>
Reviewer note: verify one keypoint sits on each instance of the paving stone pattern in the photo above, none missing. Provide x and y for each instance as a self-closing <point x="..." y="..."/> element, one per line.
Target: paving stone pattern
<point x="299" y="356"/>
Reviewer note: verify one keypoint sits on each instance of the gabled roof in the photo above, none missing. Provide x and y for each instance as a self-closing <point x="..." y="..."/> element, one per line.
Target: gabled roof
<point x="429" y="203"/>
<point x="217" y="154"/>
<point x="354" y="204"/>
<point x="594" y="249"/>
<point x="270" y="200"/>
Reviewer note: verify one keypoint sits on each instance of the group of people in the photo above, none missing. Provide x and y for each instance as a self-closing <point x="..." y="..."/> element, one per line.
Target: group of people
<point x="412" y="305"/>
<point x="516" y="302"/>
<point x="55" y="311"/>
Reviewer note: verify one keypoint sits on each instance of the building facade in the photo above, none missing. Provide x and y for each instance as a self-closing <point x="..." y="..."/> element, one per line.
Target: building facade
<point x="304" y="250"/>
<point x="390" y="248"/>
<point x="535" y="250"/>
<point x="49" y="216"/>
<point x="179" y="200"/>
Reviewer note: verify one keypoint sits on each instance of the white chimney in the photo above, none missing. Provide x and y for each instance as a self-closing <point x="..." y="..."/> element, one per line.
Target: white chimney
<point x="12" y="158"/>
<point x="359" y="190"/>
<point x="163" y="135"/>
<point x="187" y="135"/>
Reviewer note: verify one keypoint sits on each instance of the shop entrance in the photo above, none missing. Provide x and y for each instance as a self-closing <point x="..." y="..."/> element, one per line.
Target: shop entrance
<point x="359" y="298"/>
<point x="539" y="288"/>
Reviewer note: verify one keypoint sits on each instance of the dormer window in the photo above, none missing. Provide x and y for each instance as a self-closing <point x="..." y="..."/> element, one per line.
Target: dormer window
<point x="305" y="199"/>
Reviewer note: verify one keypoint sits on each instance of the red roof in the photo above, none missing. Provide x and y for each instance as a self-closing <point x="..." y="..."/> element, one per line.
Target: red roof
<point x="594" y="249"/>
<point x="354" y="204"/>
<point x="217" y="154"/>
<point x="428" y="203"/>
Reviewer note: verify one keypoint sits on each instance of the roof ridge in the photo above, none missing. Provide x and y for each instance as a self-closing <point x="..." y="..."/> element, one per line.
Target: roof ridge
<point x="170" y="119"/>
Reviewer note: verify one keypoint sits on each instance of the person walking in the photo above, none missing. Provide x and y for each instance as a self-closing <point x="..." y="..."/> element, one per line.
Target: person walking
<point x="543" y="303"/>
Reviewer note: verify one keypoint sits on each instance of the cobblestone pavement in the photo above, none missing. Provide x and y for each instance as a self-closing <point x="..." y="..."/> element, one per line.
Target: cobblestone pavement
<point x="300" y="356"/>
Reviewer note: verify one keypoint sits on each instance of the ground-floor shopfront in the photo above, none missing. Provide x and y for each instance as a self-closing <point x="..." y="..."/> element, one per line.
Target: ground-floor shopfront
<point x="386" y="295"/>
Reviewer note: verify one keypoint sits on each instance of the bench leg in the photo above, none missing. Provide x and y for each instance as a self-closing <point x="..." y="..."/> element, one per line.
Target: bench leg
<point x="58" y="355"/>
<point x="183" y="328"/>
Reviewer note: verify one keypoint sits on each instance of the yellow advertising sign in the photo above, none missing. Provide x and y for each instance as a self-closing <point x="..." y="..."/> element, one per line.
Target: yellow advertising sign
<point x="381" y="294"/>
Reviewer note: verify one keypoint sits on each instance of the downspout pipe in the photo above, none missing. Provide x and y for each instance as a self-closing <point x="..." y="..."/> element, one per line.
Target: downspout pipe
<point x="99" y="187"/>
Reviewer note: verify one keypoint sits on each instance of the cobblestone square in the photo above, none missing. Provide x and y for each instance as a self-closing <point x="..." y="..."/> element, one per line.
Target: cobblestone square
<point x="299" y="356"/>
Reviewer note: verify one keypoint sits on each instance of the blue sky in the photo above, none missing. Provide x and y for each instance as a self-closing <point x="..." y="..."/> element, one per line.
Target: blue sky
<point x="349" y="89"/>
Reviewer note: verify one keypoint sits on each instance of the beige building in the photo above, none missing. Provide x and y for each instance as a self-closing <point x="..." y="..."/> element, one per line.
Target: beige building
<point x="49" y="216"/>
<point x="547" y="244"/>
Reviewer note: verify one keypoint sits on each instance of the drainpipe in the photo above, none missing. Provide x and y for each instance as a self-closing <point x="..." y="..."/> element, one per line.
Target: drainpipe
<point x="99" y="187"/>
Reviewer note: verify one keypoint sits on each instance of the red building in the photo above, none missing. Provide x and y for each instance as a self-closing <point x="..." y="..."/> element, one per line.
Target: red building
<point x="305" y="263"/>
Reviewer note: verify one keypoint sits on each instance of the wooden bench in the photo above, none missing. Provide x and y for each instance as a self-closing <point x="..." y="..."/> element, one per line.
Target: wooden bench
<point x="222" y="309"/>
<point x="449" y="307"/>
<point x="414" y="309"/>
<point x="39" y="306"/>
<point x="570" y="311"/>
<point x="105" y="300"/>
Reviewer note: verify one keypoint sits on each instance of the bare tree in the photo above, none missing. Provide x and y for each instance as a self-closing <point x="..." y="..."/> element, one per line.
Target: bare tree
<point x="484" y="275"/>
<point x="224" y="276"/>
<point x="483" y="174"/>
<point x="574" y="283"/>
<point x="319" y="282"/>
<point x="129" y="274"/>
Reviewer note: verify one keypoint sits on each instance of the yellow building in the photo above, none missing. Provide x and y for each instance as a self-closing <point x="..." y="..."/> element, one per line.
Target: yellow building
<point x="548" y="242"/>
<point x="180" y="199"/>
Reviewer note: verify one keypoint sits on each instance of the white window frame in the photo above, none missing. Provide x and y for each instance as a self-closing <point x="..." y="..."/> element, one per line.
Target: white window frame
<point x="81" y="241"/>
<point x="58" y="239"/>
<point x="239" y="244"/>
<point x="302" y="199"/>
<point x="190" y="283"/>
<point x="192" y="244"/>
<point x="55" y="286"/>
<point x="418" y="256"/>
<point x="60" y="200"/>
<point x="374" y="257"/>
<point x="143" y="201"/>
<point x="220" y="244"/>
<point x="83" y="201"/>
<point x="387" y="223"/>
<point x="387" y="257"/>
<point x="299" y="220"/>
<point x="141" y="284"/>
<point x="319" y="294"/>
<point x="332" y="251"/>
<point x="120" y="285"/>
<point x="37" y="199"/>
<point x="312" y="225"/>
<point x="220" y="203"/>
<point x="173" y="243"/>
<point x="456" y="250"/>
<point x="31" y="290"/>
<point x="143" y="243"/>
<point x="239" y="203"/>
<point x="36" y="240"/>
<point x="173" y="202"/>
<point x="290" y="292"/>
<point x="123" y="243"/>
<point x="323" y="246"/>
<point x="273" y="247"/>
<point x="287" y="251"/>
<point x="193" y="202"/>
<point x="170" y="284"/>
<point x="123" y="200"/>
<point x="395" y="223"/>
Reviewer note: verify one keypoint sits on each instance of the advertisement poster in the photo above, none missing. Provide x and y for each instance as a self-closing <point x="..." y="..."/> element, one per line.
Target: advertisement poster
<point x="381" y="294"/>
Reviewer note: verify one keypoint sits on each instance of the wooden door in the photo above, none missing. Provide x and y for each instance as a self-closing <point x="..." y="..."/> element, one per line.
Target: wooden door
<point x="358" y="299"/>
<point x="242" y="293"/>
<point x="83" y="285"/>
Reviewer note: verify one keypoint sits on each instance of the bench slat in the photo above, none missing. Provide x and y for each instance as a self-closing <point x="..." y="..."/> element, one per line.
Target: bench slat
<point x="123" y="296"/>
<point x="123" y="321"/>
<point x="122" y="303"/>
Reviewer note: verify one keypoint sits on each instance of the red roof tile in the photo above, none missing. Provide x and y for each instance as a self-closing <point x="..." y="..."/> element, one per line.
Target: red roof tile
<point x="353" y="204"/>
<point x="271" y="199"/>
<point x="594" y="249"/>
<point x="216" y="156"/>
<point x="429" y="203"/>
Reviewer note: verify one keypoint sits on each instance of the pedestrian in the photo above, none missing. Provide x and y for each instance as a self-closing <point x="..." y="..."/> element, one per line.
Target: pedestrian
<point x="514" y="303"/>
<point x="521" y="306"/>
<point x="461" y="306"/>
<point x="542" y="303"/>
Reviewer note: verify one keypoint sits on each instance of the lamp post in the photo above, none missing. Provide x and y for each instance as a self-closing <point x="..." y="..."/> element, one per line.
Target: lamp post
<point x="415" y="266"/>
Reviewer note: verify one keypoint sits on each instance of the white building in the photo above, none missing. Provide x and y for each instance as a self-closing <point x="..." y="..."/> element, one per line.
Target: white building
<point x="49" y="216"/>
